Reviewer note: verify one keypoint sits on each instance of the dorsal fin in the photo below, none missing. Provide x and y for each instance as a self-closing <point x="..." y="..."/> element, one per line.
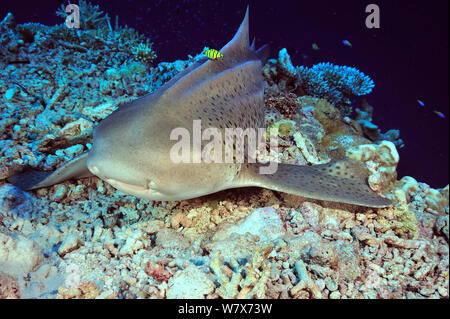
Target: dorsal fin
<point x="253" y="45"/>
<point x="241" y="40"/>
<point x="235" y="52"/>
<point x="263" y="53"/>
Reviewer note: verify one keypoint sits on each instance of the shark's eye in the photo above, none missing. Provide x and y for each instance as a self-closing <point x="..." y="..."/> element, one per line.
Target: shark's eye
<point x="94" y="170"/>
<point x="152" y="185"/>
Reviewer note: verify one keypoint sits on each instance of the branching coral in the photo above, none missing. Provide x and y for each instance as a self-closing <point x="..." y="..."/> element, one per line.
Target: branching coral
<point x="279" y="75"/>
<point x="324" y="80"/>
<point x="96" y="32"/>
<point x="248" y="281"/>
<point x="11" y="43"/>
<point x="144" y="53"/>
<point x="335" y="83"/>
<point x="91" y="17"/>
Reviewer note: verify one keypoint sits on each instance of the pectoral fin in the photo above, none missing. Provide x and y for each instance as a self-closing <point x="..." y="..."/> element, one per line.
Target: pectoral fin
<point x="32" y="179"/>
<point x="342" y="181"/>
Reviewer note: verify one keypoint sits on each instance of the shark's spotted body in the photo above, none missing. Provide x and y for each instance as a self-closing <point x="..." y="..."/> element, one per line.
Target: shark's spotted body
<point x="131" y="147"/>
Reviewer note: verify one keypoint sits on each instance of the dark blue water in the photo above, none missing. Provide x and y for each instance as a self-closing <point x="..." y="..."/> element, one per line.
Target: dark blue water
<point x="407" y="57"/>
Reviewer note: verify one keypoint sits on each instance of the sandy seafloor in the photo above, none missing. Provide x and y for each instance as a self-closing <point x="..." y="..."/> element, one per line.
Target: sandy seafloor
<point x="84" y="239"/>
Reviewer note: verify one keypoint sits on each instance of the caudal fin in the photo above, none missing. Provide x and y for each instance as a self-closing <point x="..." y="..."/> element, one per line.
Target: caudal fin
<point x="342" y="181"/>
<point x="32" y="179"/>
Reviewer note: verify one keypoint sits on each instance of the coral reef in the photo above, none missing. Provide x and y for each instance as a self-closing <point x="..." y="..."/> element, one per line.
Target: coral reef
<point x="381" y="159"/>
<point x="9" y="289"/>
<point x="371" y="131"/>
<point x="324" y="80"/>
<point x="336" y="83"/>
<point x="91" y="17"/>
<point x="85" y="239"/>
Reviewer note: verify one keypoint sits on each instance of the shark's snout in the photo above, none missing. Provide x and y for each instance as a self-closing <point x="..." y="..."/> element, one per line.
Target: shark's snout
<point x="94" y="169"/>
<point x="115" y="173"/>
<point x="114" y="170"/>
<point x="92" y="165"/>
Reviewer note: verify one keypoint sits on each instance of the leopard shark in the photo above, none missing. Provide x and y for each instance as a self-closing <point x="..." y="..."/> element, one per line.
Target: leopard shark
<point x="131" y="146"/>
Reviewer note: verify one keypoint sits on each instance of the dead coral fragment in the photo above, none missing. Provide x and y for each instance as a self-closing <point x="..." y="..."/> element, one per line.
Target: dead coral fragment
<point x="305" y="282"/>
<point x="243" y="282"/>
<point x="180" y="219"/>
<point x="157" y="271"/>
<point x="87" y="290"/>
<point x="9" y="288"/>
<point x="190" y="283"/>
<point x="382" y="160"/>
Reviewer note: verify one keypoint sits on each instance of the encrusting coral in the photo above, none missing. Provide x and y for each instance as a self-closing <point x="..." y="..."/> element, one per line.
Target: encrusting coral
<point x="85" y="239"/>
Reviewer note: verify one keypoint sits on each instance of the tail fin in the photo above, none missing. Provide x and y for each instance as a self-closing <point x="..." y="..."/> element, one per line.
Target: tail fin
<point x="32" y="179"/>
<point x="342" y="181"/>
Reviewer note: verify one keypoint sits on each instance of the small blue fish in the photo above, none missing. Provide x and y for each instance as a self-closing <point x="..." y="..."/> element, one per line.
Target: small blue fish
<point x="347" y="43"/>
<point x="421" y="103"/>
<point x="440" y="114"/>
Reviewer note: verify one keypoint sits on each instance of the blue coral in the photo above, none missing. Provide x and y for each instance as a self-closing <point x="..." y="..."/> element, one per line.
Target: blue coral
<point x="334" y="83"/>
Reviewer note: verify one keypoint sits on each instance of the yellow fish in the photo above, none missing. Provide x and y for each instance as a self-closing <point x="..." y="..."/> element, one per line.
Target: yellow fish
<point x="213" y="54"/>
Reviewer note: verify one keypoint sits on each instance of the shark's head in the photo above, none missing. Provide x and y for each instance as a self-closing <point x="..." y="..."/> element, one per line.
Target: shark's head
<point x="118" y="155"/>
<point x="131" y="151"/>
<point x="131" y="147"/>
